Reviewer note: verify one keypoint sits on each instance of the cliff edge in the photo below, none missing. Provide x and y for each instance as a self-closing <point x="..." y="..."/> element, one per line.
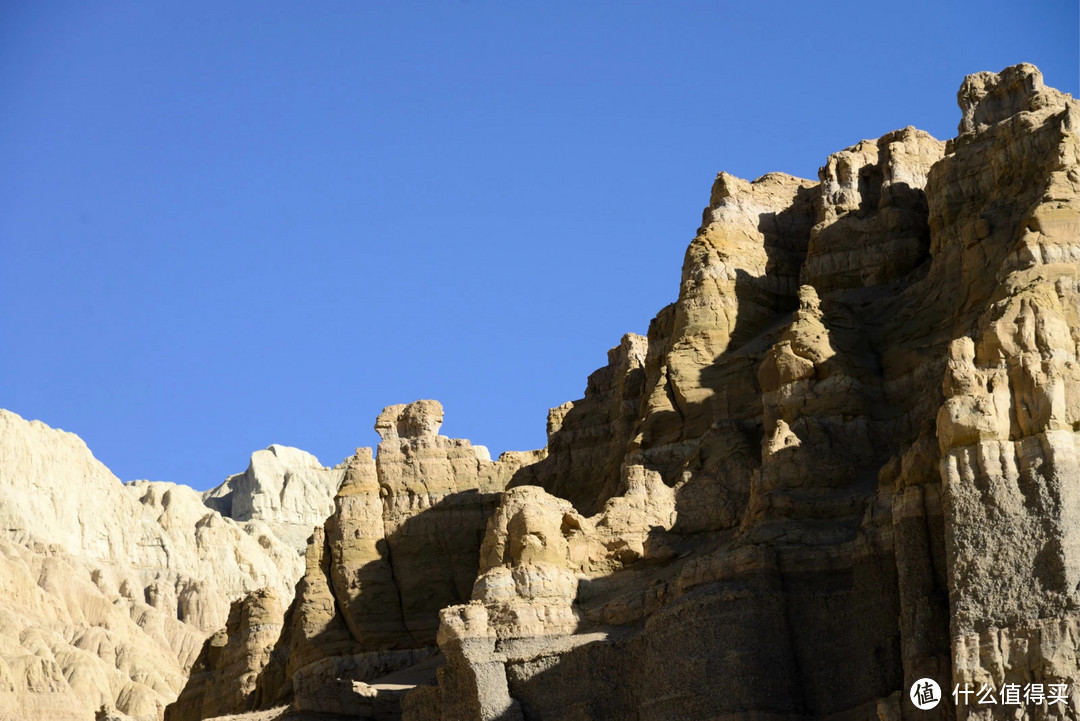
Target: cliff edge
<point x="846" y="458"/>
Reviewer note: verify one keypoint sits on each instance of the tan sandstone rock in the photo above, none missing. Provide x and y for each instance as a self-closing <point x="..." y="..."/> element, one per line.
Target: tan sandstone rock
<point x="864" y="403"/>
<point x="846" y="458"/>
<point x="109" y="589"/>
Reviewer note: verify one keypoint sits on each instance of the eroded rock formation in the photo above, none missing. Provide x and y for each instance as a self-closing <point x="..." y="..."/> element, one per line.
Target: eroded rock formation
<point x="285" y="488"/>
<point x="110" y="589"/>
<point x="403" y="542"/>
<point x="846" y="458"/>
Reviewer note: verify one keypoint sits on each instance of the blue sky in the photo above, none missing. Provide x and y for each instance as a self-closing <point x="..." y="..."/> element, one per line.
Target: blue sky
<point x="226" y="225"/>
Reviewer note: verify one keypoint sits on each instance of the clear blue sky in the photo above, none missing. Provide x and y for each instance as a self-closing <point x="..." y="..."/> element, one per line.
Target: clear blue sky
<point x="230" y="224"/>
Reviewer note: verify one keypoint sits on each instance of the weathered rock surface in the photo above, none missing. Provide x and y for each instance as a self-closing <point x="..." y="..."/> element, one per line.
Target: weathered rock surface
<point x="285" y="488"/>
<point x="402" y="544"/>
<point x="232" y="658"/>
<point x="864" y="405"/>
<point x="110" y="589"/>
<point x="847" y="457"/>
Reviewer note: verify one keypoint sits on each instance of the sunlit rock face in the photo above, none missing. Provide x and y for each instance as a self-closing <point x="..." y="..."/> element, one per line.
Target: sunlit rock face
<point x="846" y="458"/>
<point x="864" y="405"/>
<point x="285" y="488"/>
<point x="403" y="542"/>
<point x="109" y="590"/>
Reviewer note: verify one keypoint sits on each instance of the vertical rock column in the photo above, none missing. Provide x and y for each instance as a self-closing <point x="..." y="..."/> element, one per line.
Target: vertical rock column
<point x="437" y="494"/>
<point x="1009" y="429"/>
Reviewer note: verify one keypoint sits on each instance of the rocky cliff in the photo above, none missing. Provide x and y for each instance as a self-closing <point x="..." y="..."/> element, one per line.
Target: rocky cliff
<point x="109" y="590"/>
<point x="845" y="459"/>
<point x="403" y="542"/>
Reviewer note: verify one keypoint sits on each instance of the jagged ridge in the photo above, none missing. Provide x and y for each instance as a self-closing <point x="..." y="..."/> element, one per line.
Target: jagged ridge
<point x="846" y="458"/>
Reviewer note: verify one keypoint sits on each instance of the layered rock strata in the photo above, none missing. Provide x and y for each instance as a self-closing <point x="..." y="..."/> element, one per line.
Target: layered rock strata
<point x="846" y="458"/>
<point x="403" y="542"/>
<point x="285" y="488"/>
<point x="109" y="589"/>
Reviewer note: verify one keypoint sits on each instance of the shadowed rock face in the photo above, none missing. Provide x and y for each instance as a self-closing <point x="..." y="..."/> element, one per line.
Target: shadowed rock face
<point x="402" y="544"/>
<point x="864" y="406"/>
<point x="846" y="458"/>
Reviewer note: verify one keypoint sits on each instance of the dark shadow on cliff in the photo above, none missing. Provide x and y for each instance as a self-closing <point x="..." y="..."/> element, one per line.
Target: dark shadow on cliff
<point x="759" y="635"/>
<point x="586" y="450"/>
<point x="434" y="557"/>
<point x="824" y="629"/>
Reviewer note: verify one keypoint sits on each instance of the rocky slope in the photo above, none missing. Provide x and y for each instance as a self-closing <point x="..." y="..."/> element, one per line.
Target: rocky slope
<point x="109" y="590"/>
<point x="845" y="459"/>
<point x="403" y="543"/>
